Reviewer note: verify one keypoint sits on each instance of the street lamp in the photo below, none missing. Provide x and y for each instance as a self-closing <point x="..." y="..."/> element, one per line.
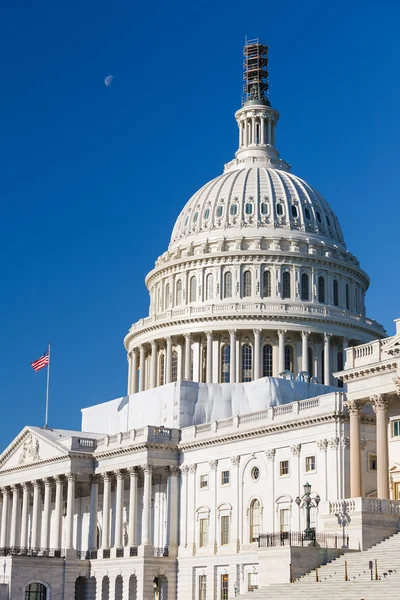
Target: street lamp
<point x="308" y="503"/>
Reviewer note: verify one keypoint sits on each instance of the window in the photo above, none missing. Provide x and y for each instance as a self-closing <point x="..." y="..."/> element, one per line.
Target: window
<point x="253" y="581"/>
<point x="225" y="477"/>
<point x="255" y="473"/>
<point x="347" y="296"/>
<point x="161" y="370"/>
<point x="233" y="210"/>
<point x="321" y="289"/>
<point x="255" y="520"/>
<point x="206" y="214"/>
<point x="289" y="359"/>
<point x="178" y="298"/>
<point x="204" y="481"/>
<point x="319" y="217"/>
<point x="203" y="532"/>
<point x="307" y="214"/>
<point x="335" y="292"/>
<point x="247" y="284"/>
<point x="202" y="587"/>
<point x="267" y="360"/>
<point x="36" y="591"/>
<point x="209" y="287"/>
<point x="305" y="288"/>
<point x="195" y="217"/>
<point x="166" y="298"/>
<point x="264" y="208"/>
<point x="284" y="468"/>
<point x="266" y="286"/>
<point x="225" y="363"/>
<point x="372" y="464"/>
<point x="192" y="289"/>
<point x="310" y="464"/>
<point x="224" y="587"/>
<point x="220" y="210"/>
<point x="294" y="211"/>
<point x="284" y="520"/>
<point x="286" y="285"/>
<point x="279" y="210"/>
<point x="328" y="221"/>
<point x="174" y="366"/>
<point x="186" y="221"/>
<point x="228" y="285"/>
<point x="396" y="428"/>
<point x="249" y="208"/>
<point x="247" y="363"/>
<point x="224" y="530"/>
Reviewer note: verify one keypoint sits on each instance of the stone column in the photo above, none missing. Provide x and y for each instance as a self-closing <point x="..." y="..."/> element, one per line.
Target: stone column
<point x="58" y="512"/>
<point x="235" y="460"/>
<point x="14" y="516"/>
<point x="4" y="517"/>
<point x="153" y="365"/>
<point x="173" y="503"/>
<point x="45" y="543"/>
<point x="209" y="357"/>
<point x="380" y="406"/>
<point x="168" y="360"/>
<point x="304" y="351"/>
<point x="187" y="356"/>
<point x="134" y="373"/>
<point x="355" y="408"/>
<point x="105" y="534"/>
<point x="146" y="525"/>
<point x="232" y="366"/>
<point x="327" y="358"/>
<point x="184" y="506"/>
<point x="133" y="477"/>
<point x="257" y="361"/>
<point x="94" y="501"/>
<point x="24" y="516"/>
<point x="35" y="515"/>
<point x="269" y="132"/>
<point x="281" y="350"/>
<point x="69" y="534"/>
<point x="119" y="506"/>
<point x="142" y="368"/>
<point x="213" y="528"/>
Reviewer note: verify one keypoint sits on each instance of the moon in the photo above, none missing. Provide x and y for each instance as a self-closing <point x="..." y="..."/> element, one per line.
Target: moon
<point x="108" y="80"/>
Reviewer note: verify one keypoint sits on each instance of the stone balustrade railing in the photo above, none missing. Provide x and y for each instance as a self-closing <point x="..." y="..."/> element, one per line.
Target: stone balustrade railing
<point x="364" y="505"/>
<point x="145" y="434"/>
<point x="367" y="354"/>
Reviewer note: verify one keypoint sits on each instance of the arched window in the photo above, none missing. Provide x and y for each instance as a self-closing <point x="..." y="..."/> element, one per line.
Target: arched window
<point x="267" y="360"/>
<point x="193" y="289"/>
<point x="247" y="363"/>
<point x="289" y="358"/>
<point x="166" y="299"/>
<point x="228" y="285"/>
<point x="179" y="292"/>
<point x="35" y="591"/>
<point x="246" y="284"/>
<point x="347" y="296"/>
<point x="209" y="287"/>
<point x="255" y="520"/>
<point x="321" y="289"/>
<point x="266" y="286"/>
<point x="310" y="362"/>
<point x="174" y="366"/>
<point x="335" y="292"/>
<point x="286" y="285"/>
<point x="340" y="366"/>
<point x="305" y="288"/>
<point x="225" y="363"/>
<point x="161" y="370"/>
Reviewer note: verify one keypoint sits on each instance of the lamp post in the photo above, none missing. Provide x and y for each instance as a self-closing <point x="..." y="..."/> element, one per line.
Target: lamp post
<point x="308" y="503"/>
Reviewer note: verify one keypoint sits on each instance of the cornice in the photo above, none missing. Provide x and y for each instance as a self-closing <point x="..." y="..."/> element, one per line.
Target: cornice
<point x="366" y="371"/>
<point x="137" y="448"/>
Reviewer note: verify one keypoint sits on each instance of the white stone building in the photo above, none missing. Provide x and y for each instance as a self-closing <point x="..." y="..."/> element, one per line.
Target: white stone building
<point x="243" y="384"/>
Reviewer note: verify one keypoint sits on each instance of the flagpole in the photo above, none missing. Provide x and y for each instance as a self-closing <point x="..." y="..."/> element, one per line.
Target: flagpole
<point x="46" y="424"/>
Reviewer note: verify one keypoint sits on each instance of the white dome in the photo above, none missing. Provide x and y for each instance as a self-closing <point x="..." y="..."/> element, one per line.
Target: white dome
<point x="254" y="197"/>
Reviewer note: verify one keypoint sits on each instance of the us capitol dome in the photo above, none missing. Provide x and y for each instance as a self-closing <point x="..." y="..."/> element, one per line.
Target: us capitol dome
<point x="257" y="281"/>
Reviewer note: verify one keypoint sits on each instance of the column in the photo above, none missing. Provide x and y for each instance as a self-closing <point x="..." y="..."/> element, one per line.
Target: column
<point x="69" y="536"/>
<point x="355" y="408"/>
<point x="184" y="506"/>
<point x="213" y="526"/>
<point x="253" y="131"/>
<point x="281" y="350"/>
<point x="24" y="516"/>
<point x="58" y="512"/>
<point x="269" y="132"/>
<point x="14" y="516"/>
<point x="257" y="362"/>
<point x="94" y="500"/>
<point x="235" y="460"/>
<point x="327" y="358"/>
<point x="153" y="365"/>
<point x="146" y="525"/>
<point x="304" y="351"/>
<point x="35" y="515"/>
<point x="232" y="366"/>
<point x="133" y="477"/>
<point x="142" y="368"/>
<point x="380" y="406"/>
<point x="187" y="356"/>
<point x="129" y="359"/>
<point x="134" y="373"/>
<point x="45" y="543"/>
<point x="296" y="473"/>
<point x="209" y="357"/>
<point x="4" y="517"/>
<point x="119" y="499"/>
<point x="105" y="534"/>
<point x="168" y="361"/>
<point x="173" y="503"/>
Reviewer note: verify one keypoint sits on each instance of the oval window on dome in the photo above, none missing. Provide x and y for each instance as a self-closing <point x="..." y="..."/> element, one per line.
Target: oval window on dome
<point x="249" y="208"/>
<point x="318" y="217"/>
<point x="186" y="220"/>
<point x="328" y="221"/>
<point x="195" y="216"/>
<point x="220" y="210"/>
<point x="307" y="214"/>
<point x="233" y="210"/>
<point x="264" y="208"/>
<point x="206" y="214"/>
<point x="279" y="209"/>
<point x="294" y="211"/>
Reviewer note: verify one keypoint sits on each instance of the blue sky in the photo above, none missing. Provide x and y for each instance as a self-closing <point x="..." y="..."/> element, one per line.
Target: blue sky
<point x="93" y="178"/>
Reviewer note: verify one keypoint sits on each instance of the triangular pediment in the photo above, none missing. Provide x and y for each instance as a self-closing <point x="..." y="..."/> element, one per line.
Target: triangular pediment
<point x="392" y="346"/>
<point x="28" y="448"/>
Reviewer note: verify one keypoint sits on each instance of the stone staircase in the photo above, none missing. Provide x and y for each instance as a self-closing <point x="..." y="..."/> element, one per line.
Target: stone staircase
<point x="331" y="577"/>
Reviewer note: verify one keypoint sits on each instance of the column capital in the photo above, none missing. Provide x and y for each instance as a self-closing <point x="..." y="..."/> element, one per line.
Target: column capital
<point x="133" y="471"/>
<point x="192" y="468"/>
<point x="6" y="490"/>
<point x="270" y="454"/>
<point x="147" y="467"/>
<point x="59" y="479"/>
<point x="282" y="333"/>
<point x="232" y="332"/>
<point x="235" y="460"/>
<point x="305" y="334"/>
<point x="322" y="444"/>
<point x="173" y="470"/>
<point x="333" y="443"/>
<point x="47" y="481"/>
<point x="327" y="338"/>
<point x="355" y="407"/>
<point x="25" y="485"/>
<point x="15" y="488"/>
<point x="105" y="476"/>
<point x="119" y="473"/>
<point x="209" y="334"/>
<point x="379" y="402"/>
<point x="396" y="382"/>
<point x="213" y="464"/>
<point x="36" y="483"/>
<point x="296" y="449"/>
<point x="256" y="332"/>
<point x="71" y="477"/>
<point x="188" y="336"/>
<point x="94" y="479"/>
<point x="184" y="469"/>
<point x="168" y="339"/>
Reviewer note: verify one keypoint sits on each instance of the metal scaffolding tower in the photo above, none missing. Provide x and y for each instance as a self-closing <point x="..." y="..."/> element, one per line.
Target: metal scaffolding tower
<point x="255" y="71"/>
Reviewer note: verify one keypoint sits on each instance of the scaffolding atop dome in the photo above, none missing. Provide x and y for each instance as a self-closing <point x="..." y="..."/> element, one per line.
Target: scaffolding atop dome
<point x="255" y="71"/>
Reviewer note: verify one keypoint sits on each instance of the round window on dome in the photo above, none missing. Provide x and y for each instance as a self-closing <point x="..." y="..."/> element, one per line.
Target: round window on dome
<point x="318" y="217"/>
<point x="255" y="473"/>
<point x="249" y="208"/>
<point x="294" y="211"/>
<point x="195" y="216"/>
<point x="220" y="210"/>
<point x="264" y="208"/>
<point x="307" y="214"/>
<point x="206" y="214"/>
<point x="233" y="210"/>
<point x="279" y="209"/>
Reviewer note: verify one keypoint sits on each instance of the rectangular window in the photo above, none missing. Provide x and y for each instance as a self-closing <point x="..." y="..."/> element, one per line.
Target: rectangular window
<point x="203" y="532"/>
<point x="284" y="518"/>
<point x="202" y="587"/>
<point x="225" y="477"/>
<point x="253" y="582"/>
<point x="224" y="587"/>
<point x="396" y="428"/>
<point x="203" y="482"/>
<point x="372" y="462"/>
<point x="284" y="468"/>
<point x="224" y="530"/>
<point x="310" y="464"/>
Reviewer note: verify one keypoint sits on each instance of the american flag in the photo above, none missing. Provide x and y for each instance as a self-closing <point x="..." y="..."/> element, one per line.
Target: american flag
<point x="41" y="362"/>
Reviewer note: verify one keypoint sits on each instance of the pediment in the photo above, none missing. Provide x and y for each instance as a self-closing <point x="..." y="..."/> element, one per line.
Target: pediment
<point x="392" y="346"/>
<point x="28" y="448"/>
